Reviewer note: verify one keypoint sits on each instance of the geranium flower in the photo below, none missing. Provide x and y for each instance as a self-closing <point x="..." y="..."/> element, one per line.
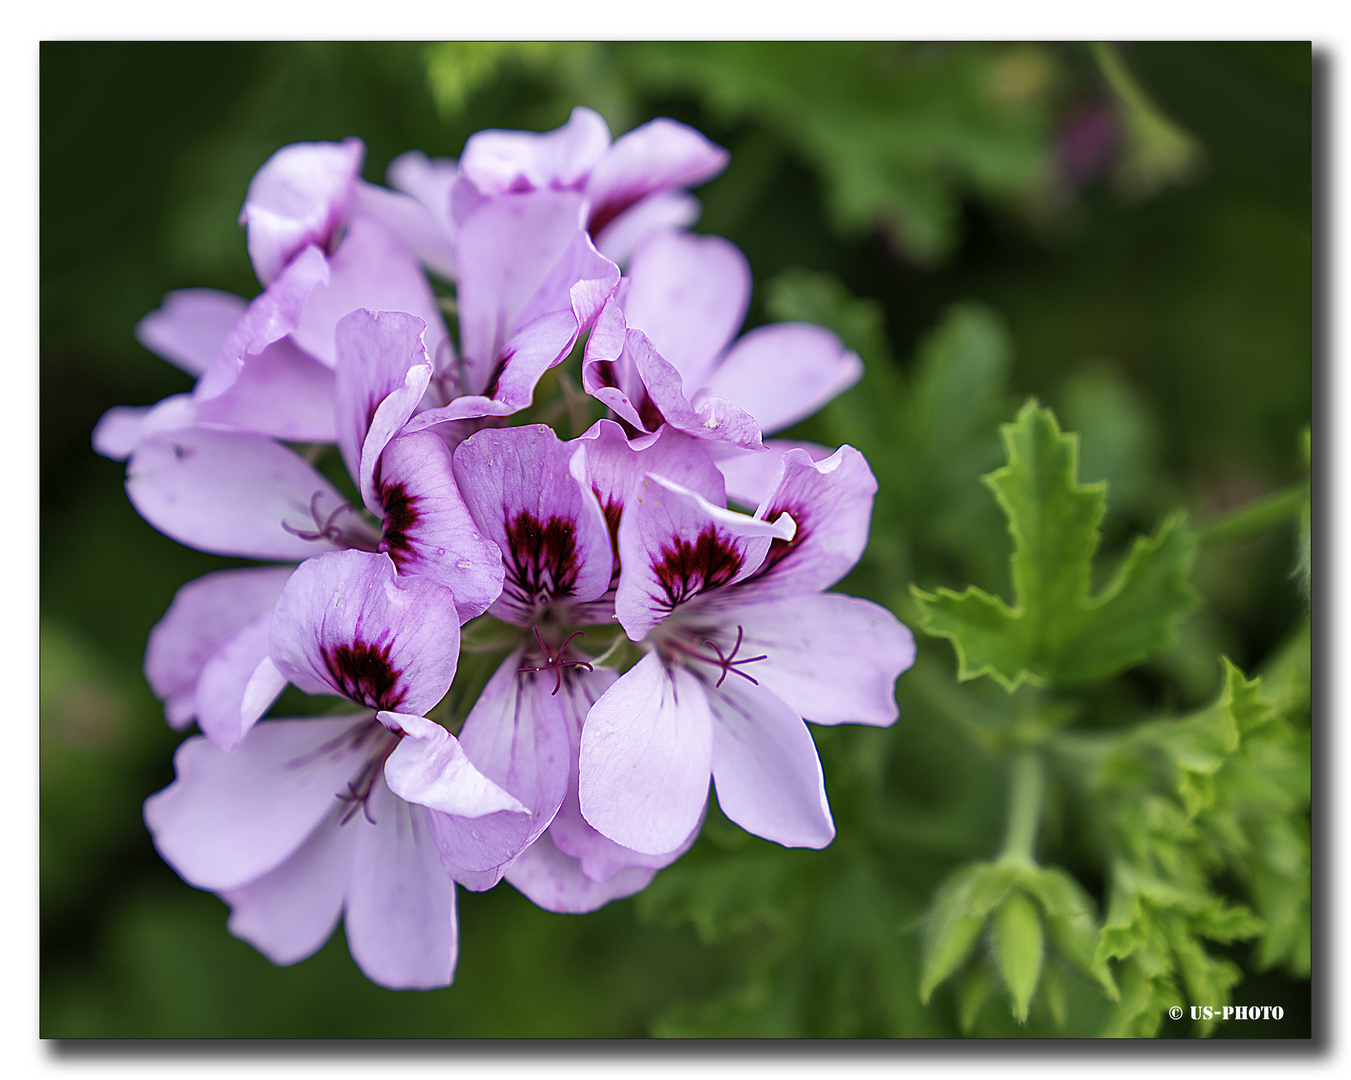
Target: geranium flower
<point x="742" y="646"/>
<point x="354" y="815"/>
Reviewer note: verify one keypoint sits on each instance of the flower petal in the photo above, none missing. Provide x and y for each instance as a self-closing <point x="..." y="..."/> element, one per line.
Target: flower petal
<point x="203" y="616"/>
<point x="550" y="530"/>
<point x="281" y="392"/>
<point x="688" y="294"/>
<point x="652" y="213"/>
<point x="834" y="659"/>
<point x="425" y="228"/>
<point x="238" y="684"/>
<point x="289" y="912"/>
<point x="371" y="269"/>
<point x="765" y="767"/>
<point x="555" y="881"/>
<point x="703" y="415"/>
<point x="190" y="325"/>
<point x="428" y="530"/>
<point x="381" y="374"/>
<point x="298" y="197"/>
<point x="429" y="767"/>
<point x="232" y="816"/>
<point x="675" y="545"/>
<point x="750" y="474"/>
<point x="784" y="372"/>
<point x="348" y="624"/>
<point x="646" y="757"/>
<point x="502" y="161"/>
<point x="400" y="912"/>
<point x="831" y="503"/>
<point x="232" y="493"/>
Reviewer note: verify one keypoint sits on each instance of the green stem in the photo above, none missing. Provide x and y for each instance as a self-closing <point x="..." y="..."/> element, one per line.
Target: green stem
<point x="1027" y="782"/>
<point x="1256" y="518"/>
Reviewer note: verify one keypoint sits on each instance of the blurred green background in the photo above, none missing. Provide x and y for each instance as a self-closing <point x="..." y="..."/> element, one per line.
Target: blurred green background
<point x="1130" y="233"/>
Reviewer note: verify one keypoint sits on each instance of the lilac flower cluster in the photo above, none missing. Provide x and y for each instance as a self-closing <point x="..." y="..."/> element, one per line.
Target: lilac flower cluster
<point x="570" y="778"/>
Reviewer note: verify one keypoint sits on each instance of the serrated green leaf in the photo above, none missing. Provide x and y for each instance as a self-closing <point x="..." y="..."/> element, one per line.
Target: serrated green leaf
<point x="1018" y="944"/>
<point x="1056" y="632"/>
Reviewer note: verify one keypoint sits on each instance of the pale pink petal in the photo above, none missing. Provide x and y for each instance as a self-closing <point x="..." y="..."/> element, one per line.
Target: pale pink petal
<point x="233" y="494"/>
<point x="231" y="816"/>
<point x="555" y="881"/>
<point x="499" y="161"/>
<point x="784" y="372"/>
<point x="702" y="415"/>
<point x="750" y="474"/>
<point x="190" y="326"/>
<point x="830" y="502"/>
<point x="608" y="371"/>
<point x="348" y="624"/>
<point x="655" y="156"/>
<point x="382" y="371"/>
<point x="653" y="213"/>
<point x="428" y="530"/>
<point x="371" y="269"/>
<point x="832" y="658"/>
<point x="646" y="758"/>
<point x="204" y="615"/>
<point x="298" y="197"/>
<point x="281" y="391"/>
<point x="237" y="685"/>
<point x="429" y="767"/>
<point x="400" y="906"/>
<point x="674" y="545"/>
<point x="424" y="229"/>
<point x="288" y="913"/>
<point x="688" y="295"/>
<point x="765" y="767"/>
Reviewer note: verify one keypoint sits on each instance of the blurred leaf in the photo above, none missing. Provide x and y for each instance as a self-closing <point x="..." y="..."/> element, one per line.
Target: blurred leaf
<point x="1017" y="943"/>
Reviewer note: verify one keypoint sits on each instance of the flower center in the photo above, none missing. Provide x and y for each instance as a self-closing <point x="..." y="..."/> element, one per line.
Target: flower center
<point x="553" y="661"/>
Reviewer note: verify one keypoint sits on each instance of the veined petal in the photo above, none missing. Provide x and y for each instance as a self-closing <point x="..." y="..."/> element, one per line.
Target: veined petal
<point x="555" y="881"/>
<point x="348" y="624"/>
<point x="298" y="197"/>
<point x="655" y="156"/>
<point x="834" y="659"/>
<point x="550" y="530"/>
<point x="689" y="295"/>
<point x="765" y="767"/>
<point x="382" y="372"/>
<point x="237" y="685"/>
<point x="289" y="912"/>
<point x="500" y="161"/>
<point x="233" y="493"/>
<point x="428" y="530"/>
<point x="371" y="269"/>
<point x="504" y="251"/>
<point x="831" y="502"/>
<point x="190" y="325"/>
<point x="203" y="616"/>
<point x="231" y="816"/>
<point x="784" y="372"/>
<point x="674" y="545"/>
<point x="646" y="758"/>
<point x="282" y="392"/>
<point x="400" y="906"/>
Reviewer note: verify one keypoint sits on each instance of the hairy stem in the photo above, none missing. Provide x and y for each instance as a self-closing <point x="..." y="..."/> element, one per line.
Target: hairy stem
<point x="1256" y="518"/>
<point x="1027" y="782"/>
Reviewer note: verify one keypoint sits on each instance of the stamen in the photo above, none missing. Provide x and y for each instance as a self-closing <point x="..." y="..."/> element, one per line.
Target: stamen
<point x="729" y="664"/>
<point x="326" y="529"/>
<point x="554" y="661"/>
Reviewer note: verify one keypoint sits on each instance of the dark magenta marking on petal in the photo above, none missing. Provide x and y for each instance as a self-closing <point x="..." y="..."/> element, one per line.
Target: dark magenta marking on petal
<point x="613" y="510"/>
<point x="685" y="570"/>
<point x="401" y="514"/>
<point x="363" y="672"/>
<point x="605" y="212"/>
<point x="541" y="560"/>
<point x="490" y="388"/>
<point x="779" y="549"/>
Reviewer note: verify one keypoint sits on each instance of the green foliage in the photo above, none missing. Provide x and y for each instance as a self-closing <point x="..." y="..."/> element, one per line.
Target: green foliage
<point x="1055" y="632"/>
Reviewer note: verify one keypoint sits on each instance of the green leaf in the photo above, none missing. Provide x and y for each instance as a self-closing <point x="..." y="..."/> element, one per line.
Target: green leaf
<point x="1056" y="632"/>
<point x="1018" y="943"/>
<point x="958" y="914"/>
<point x="1071" y="920"/>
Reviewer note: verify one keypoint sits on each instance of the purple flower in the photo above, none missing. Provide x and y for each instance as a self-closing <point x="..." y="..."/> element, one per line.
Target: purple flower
<point x="359" y="814"/>
<point x="663" y="350"/>
<point x="742" y="646"/>
<point x="632" y="186"/>
<point x="242" y="494"/>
